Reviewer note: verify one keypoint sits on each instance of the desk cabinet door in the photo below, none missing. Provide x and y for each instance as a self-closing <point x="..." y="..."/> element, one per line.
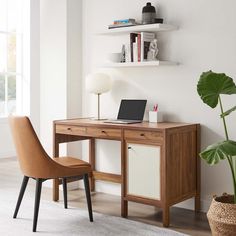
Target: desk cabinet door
<point x="143" y="171"/>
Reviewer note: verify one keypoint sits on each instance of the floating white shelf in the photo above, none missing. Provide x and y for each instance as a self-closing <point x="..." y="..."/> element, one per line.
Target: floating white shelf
<point x="138" y="28"/>
<point x="139" y="64"/>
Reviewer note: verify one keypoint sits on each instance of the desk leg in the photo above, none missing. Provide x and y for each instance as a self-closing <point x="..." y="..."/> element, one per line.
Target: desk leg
<point x="198" y="194"/>
<point x="124" y="203"/>
<point x="197" y="203"/>
<point x="166" y="216"/>
<point x="55" y="190"/>
<point x="92" y="161"/>
<point x="55" y="154"/>
<point x="198" y="172"/>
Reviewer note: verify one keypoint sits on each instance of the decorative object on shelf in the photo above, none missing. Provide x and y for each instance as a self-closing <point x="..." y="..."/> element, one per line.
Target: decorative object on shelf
<point x="158" y="21"/>
<point x="148" y="14"/>
<point x="98" y="83"/>
<point x="222" y="213"/>
<point x="153" y="51"/>
<point x="122" y="59"/>
<point x="114" y="57"/>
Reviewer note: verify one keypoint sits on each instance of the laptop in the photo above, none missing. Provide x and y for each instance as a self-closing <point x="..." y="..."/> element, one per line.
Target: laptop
<point x="130" y="112"/>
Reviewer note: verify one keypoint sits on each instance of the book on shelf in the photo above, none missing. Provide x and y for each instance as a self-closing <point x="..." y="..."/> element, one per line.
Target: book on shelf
<point x="146" y="39"/>
<point x="139" y="46"/>
<point x="124" y="21"/>
<point x="133" y="37"/>
<point x="114" y="26"/>
<point x="135" y="51"/>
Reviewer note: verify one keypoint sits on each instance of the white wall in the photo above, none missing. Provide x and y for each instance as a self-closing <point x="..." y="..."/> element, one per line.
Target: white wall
<point x="206" y="40"/>
<point x="35" y="64"/>
<point x="53" y="70"/>
<point x="74" y="66"/>
<point x="60" y="66"/>
<point x="32" y="91"/>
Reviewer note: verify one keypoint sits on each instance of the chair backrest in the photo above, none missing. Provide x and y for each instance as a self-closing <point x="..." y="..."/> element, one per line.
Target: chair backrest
<point x="33" y="159"/>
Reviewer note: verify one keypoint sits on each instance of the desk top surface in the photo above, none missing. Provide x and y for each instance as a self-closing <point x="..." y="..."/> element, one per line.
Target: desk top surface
<point x="144" y="125"/>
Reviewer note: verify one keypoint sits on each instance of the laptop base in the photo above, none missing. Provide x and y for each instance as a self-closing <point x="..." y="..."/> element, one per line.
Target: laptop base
<point x="123" y="121"/>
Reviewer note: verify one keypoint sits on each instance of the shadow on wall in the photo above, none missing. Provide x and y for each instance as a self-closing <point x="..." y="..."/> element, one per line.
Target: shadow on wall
<point x="209" y="136"/>
<point x="126" y="89"/>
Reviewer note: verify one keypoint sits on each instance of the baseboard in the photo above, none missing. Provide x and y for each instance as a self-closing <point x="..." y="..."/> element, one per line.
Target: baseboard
<point x="205" y="205"/>
<point x="189" y="204"/>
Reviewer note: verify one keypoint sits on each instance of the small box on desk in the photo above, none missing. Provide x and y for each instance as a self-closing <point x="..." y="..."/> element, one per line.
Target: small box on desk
<point x="155" y="116"/>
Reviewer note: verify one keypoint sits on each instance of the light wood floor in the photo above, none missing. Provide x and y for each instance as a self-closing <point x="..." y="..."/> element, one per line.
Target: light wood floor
<point x="182" y="220"/>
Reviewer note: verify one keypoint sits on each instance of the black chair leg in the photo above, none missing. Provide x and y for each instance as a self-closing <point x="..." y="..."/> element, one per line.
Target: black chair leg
<point x="21" y="194"/>
<point x="37" y="202"/>
<point x="87" y="191"/>
<point x="64" y="183"/>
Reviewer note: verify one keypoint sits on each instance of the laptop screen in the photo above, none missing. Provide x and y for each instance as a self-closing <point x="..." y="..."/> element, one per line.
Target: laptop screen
<point x="132" y="109"/>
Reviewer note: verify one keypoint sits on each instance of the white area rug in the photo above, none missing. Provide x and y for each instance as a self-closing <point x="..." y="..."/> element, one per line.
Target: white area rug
<point x="55" y="220"/>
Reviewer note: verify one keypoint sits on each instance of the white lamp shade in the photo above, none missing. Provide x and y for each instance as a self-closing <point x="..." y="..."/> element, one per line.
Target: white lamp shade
<point x="98" y="83"/>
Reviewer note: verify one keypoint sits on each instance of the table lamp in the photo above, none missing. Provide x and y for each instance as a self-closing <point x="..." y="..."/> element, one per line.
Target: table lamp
<point x="98" y="83"/>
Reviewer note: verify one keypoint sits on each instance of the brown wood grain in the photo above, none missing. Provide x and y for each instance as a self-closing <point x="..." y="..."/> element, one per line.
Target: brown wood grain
<point x="124" y="202"/>
<point x="55" y="150"/>
<point x="143" y="200"/>
<point x="198" y="172"/>
<point x="143" y="135"/>
<point x="70" y="129"/>
<point x="92" y="161"/>
<point x="179" y="167"/>
<point x="104" y="133"/>
<point x="97" y="175"/>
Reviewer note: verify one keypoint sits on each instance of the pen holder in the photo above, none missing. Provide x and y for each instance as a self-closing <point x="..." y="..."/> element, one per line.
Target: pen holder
<point x="155" y="116"/>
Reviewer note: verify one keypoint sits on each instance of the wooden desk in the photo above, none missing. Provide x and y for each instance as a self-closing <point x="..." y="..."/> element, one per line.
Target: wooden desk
<point x="159" y="162"/>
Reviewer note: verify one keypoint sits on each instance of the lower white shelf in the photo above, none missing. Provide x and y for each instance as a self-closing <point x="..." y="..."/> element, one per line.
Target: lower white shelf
<point x="140" y="64"/>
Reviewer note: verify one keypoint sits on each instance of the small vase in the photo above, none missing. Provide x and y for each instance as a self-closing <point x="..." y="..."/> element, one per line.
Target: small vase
<point x="222" y="216"/>
<point x="148" y="14"/>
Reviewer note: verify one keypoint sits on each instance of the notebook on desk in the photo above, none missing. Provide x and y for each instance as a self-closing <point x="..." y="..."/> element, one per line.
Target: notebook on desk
<point x="130" y="112"/>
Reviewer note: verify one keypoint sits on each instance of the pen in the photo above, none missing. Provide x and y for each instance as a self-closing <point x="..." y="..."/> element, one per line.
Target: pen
<point x="155" y="108"/>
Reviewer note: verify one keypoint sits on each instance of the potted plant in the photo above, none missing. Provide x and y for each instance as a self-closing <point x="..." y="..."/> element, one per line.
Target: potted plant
<point x="222" y="213"/>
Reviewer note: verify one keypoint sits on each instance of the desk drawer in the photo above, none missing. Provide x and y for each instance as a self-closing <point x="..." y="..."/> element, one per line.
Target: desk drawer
<point x="70" y="129"/>
<point x="144" y="135"/>
<point x="104" y="133"/>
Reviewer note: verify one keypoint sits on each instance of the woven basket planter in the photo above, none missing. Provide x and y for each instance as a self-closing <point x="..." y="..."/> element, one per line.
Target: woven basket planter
<point x="222" y="216"/>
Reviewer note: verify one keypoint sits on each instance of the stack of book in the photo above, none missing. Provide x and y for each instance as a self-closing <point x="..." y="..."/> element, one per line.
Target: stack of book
<point x="122" y="23"/>
<point x="137" y="49"/>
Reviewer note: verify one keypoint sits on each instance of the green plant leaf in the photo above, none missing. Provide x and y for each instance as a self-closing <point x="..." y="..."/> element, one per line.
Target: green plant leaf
<point x="226" y="113"/>
<point x="218" y="151"/>
<point x="211" y="85"/>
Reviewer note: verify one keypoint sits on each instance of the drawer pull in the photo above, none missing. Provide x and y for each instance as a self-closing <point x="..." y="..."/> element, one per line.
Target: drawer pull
<point x="68" y="128"/>
<point x="103" y="131"/>
<point x="142" y="134"/>
<point x="129" y="148"/>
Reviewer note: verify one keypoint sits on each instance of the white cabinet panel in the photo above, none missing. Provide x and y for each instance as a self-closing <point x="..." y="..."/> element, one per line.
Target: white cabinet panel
<point x="143" y="171"/>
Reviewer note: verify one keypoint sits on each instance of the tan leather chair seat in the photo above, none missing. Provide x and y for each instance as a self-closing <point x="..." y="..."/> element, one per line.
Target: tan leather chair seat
<point x="71" y="162"/>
